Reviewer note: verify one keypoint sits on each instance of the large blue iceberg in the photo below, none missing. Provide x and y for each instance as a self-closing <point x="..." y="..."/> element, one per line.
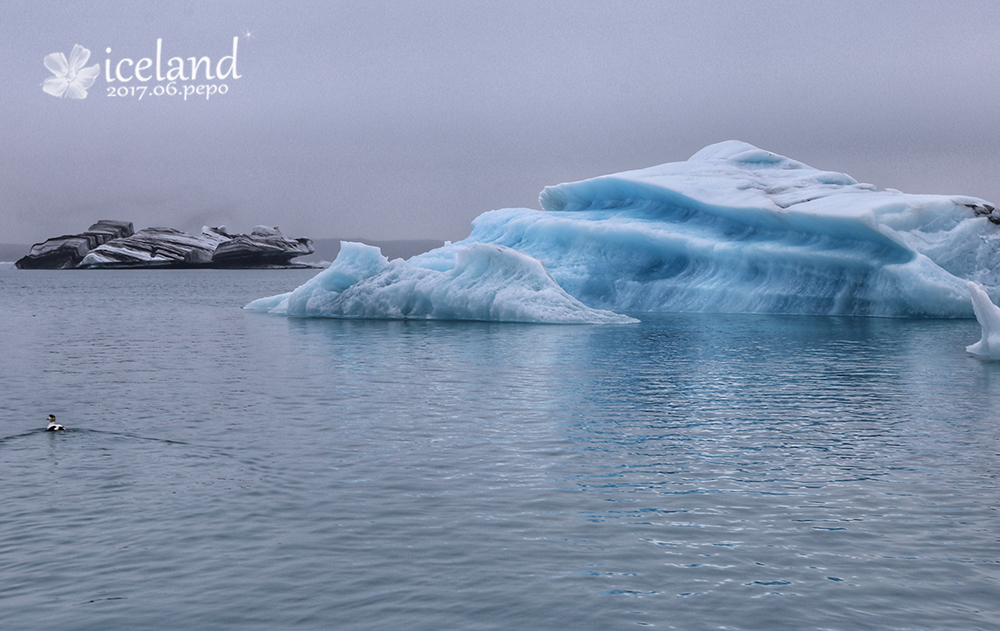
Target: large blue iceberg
<point x="734" y="229"/>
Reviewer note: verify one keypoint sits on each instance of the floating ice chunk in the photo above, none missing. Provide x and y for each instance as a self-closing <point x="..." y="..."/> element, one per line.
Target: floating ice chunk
<point x="486" y="282"/>
<point x="213" y="247"/>
<point x="988" y="315"/>
<point x="736" y="229"/>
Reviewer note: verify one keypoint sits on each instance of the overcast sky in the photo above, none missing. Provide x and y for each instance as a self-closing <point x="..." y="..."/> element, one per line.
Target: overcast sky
<point x="396" y="120"/>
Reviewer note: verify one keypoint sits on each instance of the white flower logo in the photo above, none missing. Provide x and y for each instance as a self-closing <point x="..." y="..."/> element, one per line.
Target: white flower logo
<point x="71" y="79"/>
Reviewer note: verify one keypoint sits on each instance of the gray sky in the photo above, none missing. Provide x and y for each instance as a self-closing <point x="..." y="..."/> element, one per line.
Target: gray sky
<point x="397" y="120"/>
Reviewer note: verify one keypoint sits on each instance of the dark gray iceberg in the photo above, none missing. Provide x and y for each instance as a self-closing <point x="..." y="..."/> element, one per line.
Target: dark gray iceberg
<point x="155" y="247"/>
<point x="114" y="244"/>
<point x="68" y="251"/>
<point x="263" y="246"/>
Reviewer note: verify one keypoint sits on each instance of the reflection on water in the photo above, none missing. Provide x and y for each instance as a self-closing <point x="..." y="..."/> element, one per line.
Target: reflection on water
<point x="227" y="469"/>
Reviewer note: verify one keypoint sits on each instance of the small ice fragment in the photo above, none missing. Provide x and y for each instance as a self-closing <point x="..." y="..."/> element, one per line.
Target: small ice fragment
<point x="988" y="315"/>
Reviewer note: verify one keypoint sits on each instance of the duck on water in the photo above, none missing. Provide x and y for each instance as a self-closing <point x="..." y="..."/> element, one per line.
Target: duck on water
<point x="53" y="426"/>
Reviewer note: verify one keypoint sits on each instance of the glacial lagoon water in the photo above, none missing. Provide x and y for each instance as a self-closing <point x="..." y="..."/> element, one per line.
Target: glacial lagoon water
<point x="233" y="470"/>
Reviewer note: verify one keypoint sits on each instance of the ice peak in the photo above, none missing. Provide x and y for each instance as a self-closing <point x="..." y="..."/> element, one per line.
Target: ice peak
<point x="730" y="174"/>
<point x="745" y="155"/>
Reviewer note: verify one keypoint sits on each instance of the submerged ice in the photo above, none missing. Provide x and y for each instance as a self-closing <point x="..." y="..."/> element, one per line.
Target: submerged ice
<point x="734" y="229"/>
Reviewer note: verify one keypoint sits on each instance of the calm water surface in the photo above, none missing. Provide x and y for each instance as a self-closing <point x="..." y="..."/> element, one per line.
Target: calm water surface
<point x="233" y="470"/>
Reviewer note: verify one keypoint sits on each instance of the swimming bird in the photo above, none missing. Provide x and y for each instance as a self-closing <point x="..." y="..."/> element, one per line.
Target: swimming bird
<point x="53" y="426"/>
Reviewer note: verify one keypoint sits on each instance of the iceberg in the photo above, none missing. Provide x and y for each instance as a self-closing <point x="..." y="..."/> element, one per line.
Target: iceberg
<point x="988" y="315"/>
<point x="487" y="282"/>
<point x="67" y="251"/>
<point x="155" y="247"/>
<point x="214" y="247"/>
<point x="116" y="244"/>
<point x="736" y="229"/>
<point x="733" y="229"/>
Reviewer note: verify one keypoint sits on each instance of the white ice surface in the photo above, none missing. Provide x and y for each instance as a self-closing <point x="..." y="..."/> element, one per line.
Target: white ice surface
<point x="988" y="315"/>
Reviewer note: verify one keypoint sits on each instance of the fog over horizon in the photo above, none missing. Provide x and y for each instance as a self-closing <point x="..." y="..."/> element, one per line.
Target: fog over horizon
<point x="393" y="121"/>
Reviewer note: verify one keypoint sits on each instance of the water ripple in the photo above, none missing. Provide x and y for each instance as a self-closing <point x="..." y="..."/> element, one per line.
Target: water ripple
<point x="228" y="470"/>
